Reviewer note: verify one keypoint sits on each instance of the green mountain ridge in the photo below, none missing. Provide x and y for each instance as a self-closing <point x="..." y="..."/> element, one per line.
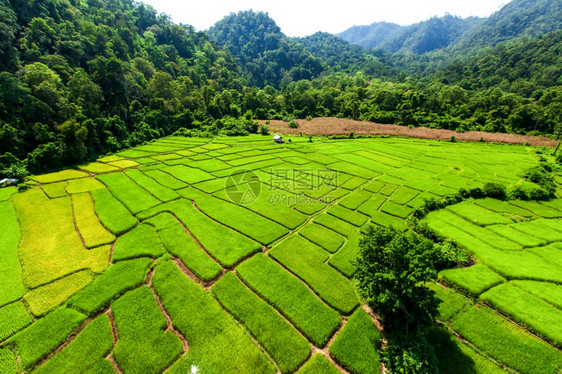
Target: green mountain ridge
<point x="426" y="36"/>
<point x="453" y="34"/>
<point x="84" y="78"/>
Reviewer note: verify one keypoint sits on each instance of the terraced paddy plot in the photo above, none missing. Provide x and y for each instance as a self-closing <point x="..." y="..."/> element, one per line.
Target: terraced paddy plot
<point x="180" y="244"/>
<point x="59" y="176"/>
<point x="549" y="292"/>
<point x="478" y="215"/>
<point x="529" y="310"/>
<point x="356" y="346"/>
<point x="115" y="281"/>
<point x="474" y="280"/>
<point x="82" y="185"/>
<point x="50" y="247"/>
<point x="451" y="302"/>
<point x="355" y="199"/>
<point x="517" y="236"/>
<point x="216" y="343"/>
<point x="453" y="356"/>
<point x="273" y="204"/>
<point x="13" y="318"/>
<point x="280" y="339"/>
<point x="291" y="297"/>
<point x="503" y="207"/>
<point x="539" y="228"/>
<point x="142" y="241"/>
<point x="539" y="209"/>
<point x="165" y="179"/>
<point x="318" y="364"/>
<point x="144" y="345"/>
<point x="347" y="215"/>
<point x="393" y="209"/>
<point x="134" y="197"/>
<point x="98" y="168"/>
<point x="187" y="174"/>
<point x="240" y="219"/>
<point x="123" y="164"/>
<point x="157" y="190"/>
<point x="89" y="227"/>
<point x="306" y="260"/>
<point x="386" y="220"/>
<point x="158" y="268"/>
<point x="402" y="195"/>
<point x="507" y="343"/>
<point x="44" y="335"/>
<point x="7" y="192"/>
<point x="227" y="246"/>
<point x="10" y="267"/>
<point x="46" y="298"/>
<point x="475" y="231"/>
<point x="89" y="347"/>
<point x="54" y="190"/>
<point x="325" y="238"/>
<point x="112" y="213"/>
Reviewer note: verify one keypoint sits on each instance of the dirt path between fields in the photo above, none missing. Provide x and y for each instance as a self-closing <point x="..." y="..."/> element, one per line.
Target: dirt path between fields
<point x="327" y="126"/>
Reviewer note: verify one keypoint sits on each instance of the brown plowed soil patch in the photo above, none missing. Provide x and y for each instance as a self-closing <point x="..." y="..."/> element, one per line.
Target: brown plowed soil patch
<point x="327" y="126"/>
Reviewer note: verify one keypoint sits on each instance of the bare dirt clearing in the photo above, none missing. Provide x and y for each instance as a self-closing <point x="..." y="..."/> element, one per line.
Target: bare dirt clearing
<point x="327" y="126"/>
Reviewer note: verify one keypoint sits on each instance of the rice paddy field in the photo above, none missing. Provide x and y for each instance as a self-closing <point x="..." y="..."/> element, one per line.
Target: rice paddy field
<point x="236" y="255"/>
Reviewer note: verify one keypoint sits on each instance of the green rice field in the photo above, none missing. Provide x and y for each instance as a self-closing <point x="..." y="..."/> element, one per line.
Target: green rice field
<point x="237" y="255"/>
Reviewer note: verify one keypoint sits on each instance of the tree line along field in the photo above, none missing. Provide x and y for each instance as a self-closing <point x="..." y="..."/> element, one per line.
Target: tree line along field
<point x="156" y="258"/>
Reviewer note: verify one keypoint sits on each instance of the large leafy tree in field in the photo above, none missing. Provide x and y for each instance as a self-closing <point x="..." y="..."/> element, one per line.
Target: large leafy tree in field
<point x="392" y="270"/>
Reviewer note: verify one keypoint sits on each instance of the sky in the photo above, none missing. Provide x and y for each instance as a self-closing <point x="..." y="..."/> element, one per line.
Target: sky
<point x="302" y="17"/>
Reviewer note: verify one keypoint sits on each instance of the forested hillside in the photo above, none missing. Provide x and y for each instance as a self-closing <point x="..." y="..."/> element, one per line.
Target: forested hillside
<point x="83" y="78"/>
<point x="264" y="53"/>
<point x="455" y="35"/>
<point x="422" y="37"/>
<point x="340" y="55"/>
<point x="518" y="18"/>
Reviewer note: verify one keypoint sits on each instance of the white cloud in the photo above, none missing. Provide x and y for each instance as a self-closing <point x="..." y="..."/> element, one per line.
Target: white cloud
<point x="300" y="17"/>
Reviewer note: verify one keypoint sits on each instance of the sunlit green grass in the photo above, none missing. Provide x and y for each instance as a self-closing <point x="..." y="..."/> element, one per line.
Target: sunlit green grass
<point x="116" y="280"/>
<point x="506" y="342"/>
<point x="528" y="310"/>
<point x="45" y="335"/>
<point x="216" y="343"/>
<point x="92" y="344"/>
<point x="13" y="318"/>
<point x="291" y="297"/>
<point x="112" y="213"/>
<point x="474" y="280"/>
<point x="134" y="197"/>
<point x="279" y="338"/>
<point x="356" y="346"/>
<point x="143" y="344"/>
<point x="46" y="298"/>
<point x="10" y="267"/>
<point x="306" y="260"/>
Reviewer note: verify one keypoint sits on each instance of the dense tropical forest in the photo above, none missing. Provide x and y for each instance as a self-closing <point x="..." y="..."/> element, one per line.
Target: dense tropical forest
<point x="80" y="78"/>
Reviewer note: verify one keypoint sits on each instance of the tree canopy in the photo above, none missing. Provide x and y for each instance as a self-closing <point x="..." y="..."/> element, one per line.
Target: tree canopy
<point x="83" y="78"/>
